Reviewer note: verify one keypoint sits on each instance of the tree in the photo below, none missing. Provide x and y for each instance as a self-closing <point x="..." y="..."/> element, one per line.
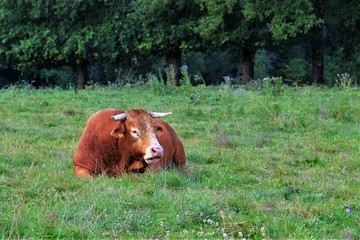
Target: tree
<point x="37" y="34"/>
<point x="317" y="46"/>
<point x="341" y="35"/>
<point x="164" y="27"/>
<point x="290" y="19"/>
<point x="223" y="27"/>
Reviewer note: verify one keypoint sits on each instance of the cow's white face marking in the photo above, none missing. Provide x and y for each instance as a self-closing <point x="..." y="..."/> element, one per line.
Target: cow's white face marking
<point x="154" y="151"/>
<point x="135" y="132"/>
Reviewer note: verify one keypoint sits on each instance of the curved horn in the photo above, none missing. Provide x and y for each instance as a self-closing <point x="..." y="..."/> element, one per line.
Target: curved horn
<point x="119" y="117"/>
<point x="158" y="114"/>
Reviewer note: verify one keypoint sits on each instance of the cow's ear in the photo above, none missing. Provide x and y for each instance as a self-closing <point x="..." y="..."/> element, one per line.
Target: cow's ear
<point x="159" y="131"/>
<point x="118" y="132"/>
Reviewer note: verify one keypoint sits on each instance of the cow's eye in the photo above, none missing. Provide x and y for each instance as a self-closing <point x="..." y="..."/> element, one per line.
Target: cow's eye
<point x="135" y="132"/>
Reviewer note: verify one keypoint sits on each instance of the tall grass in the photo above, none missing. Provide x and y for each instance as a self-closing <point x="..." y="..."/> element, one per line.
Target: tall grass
<point x="263" y="165"/>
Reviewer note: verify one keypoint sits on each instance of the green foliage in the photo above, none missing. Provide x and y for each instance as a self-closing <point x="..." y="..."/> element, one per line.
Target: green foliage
<point x="262" y="65"/>
<point x="212" y="21"/>
<point x="273" y="85"/>
<point x="285" y="19"/>
<point x="40" y="36"/>
<point x="186" y="79"/>
<point x="212" y="67"/>
<point x="256" y="161"/>
<point x="331" y="69"/>
<point x="41" y="33"/>
<point x="161" y="25"/>
<point x="295" y="71"/>
<point x="170" y="74"/>
<point x="344" y="25"/>
<point x="156" y="86"/>
<point x="223" y="26"/>
<point x="59" y="77"/>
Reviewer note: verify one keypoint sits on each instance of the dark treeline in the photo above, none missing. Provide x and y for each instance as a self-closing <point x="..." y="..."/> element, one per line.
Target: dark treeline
<point x="51" y="43"/>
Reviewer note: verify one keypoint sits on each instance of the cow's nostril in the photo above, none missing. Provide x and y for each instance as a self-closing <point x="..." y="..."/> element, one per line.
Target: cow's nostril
<point x="157" y="151"/>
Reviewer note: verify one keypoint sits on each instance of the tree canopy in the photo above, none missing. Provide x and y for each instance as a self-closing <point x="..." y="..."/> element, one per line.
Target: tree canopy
<point x="42" y="34"/>
<point x="37" y="34"/>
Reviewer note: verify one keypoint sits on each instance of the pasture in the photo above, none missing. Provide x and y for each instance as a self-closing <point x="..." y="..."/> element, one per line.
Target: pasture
<point x="264" y="164"/>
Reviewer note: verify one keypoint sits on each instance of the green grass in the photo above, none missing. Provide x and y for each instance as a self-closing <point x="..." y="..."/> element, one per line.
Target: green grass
<point x="263" y="164"/>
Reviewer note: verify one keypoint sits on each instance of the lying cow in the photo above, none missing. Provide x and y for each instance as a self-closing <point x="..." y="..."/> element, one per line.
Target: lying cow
<point x="116" y="142"/>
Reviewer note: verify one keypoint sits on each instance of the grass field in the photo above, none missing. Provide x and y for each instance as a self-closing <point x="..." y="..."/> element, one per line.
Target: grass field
<point x="264" y="164"/>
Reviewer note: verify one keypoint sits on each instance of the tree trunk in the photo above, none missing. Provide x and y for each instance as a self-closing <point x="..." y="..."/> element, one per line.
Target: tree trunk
<point x="317" y="49"/>
<point x="248" y="65"/>
<point x="173" y="60"/>
<point x="317" y="56"/>
<point x="82" y="71"/>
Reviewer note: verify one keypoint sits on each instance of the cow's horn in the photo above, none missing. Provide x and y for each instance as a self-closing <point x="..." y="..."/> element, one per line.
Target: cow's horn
<point x="159" y="115"/>
<point x="119" y="117"/>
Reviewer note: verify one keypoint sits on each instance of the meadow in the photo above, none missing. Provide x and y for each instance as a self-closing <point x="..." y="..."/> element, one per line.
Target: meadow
<point x="264" y="163"/>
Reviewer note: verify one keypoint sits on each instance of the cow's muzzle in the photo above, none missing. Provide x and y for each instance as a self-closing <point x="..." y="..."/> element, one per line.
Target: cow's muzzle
<point x="153" y="154"/>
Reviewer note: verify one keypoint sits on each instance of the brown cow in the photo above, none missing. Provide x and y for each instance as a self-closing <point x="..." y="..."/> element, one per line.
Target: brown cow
<point x="116" y="142"/>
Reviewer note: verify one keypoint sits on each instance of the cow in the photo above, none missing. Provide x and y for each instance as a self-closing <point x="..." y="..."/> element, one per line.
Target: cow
<point x="115" y="142"/>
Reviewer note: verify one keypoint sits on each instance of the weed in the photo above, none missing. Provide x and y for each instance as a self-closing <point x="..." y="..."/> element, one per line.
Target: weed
<point x="344" y="81"/>
<point x="156" y="86"/>
<point x="170" y="75"/>
<point x="273" y="86"/>
<point x="185" y="80"/>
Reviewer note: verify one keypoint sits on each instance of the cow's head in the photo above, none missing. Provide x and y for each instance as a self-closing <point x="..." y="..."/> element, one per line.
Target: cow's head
<point x="138" y="135"/>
